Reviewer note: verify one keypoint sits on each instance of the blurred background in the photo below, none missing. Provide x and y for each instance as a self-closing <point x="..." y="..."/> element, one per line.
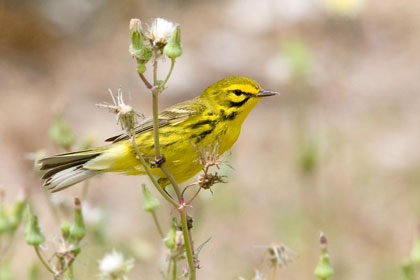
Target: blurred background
<point x="337" y="152"/>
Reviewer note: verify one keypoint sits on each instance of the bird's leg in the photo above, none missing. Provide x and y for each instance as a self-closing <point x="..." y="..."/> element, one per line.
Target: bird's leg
<point x="157" y="163"/>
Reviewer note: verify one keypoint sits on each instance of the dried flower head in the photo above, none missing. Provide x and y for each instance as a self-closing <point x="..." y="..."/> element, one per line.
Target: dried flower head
<point x="209" y="155"/>
<point x="280" y="254"/>
<point x="126" y="116"/>
<point x="207" y="180"/>
<point x="114" y="266"/>
<point x="160" y="31"/>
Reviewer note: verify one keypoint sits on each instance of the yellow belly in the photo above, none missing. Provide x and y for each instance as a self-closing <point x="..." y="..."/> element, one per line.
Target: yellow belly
<point x="178" y="146"/>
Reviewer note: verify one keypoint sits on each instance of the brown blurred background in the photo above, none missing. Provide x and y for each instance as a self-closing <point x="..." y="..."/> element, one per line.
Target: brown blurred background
<point x="338" y="151"/>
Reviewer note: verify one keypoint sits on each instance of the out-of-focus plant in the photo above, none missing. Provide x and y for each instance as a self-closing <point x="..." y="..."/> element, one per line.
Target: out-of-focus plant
<point x="323" y="270"/>
<point x="61" y="133"/>
<point x="60" y="265"/>
<point x="10" y="220"/>
<point x="298" y="57"/>
<point x="308" y="157"/>
<point x="113" y="266"/>
<point x="410" y="264"/>
<point x="344" y="8"/>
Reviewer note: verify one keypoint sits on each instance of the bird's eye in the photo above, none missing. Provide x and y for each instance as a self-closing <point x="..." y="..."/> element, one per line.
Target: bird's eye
<point x="238" y="92"/>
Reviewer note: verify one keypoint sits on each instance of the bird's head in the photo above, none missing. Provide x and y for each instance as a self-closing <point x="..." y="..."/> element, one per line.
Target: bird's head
<point x="235" y="96"/>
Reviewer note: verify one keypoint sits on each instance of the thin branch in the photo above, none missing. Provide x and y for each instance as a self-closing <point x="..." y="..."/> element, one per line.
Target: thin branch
<point x="155" y="92"/>
<point x="188" y="245"/>
<point x="43" y="261"/>
<point x="168" y="271"/>
<point x="174" y="270"/>
<point x="274" y="273"/>
<point x="194" y="196"/>
<point x="145" y="81"/>
<point x="173" y="182"/>
<point x="169" y="73"/>
<point x="155" y="219"/>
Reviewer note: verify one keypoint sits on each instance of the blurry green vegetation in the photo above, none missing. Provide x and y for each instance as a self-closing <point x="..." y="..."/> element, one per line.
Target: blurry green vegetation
<point x="61" y="133"/>
<point x="299" y="57"/>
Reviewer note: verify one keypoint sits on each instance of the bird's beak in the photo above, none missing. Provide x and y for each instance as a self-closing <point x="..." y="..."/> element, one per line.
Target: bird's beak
<point x="265" y="92"/>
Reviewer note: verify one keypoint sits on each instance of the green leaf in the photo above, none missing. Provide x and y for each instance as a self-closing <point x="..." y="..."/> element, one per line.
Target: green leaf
<point x="198" y="250"/>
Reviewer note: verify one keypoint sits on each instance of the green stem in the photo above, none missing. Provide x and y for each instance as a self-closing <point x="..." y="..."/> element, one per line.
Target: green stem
<point x="155" y="92"/>
<point x="169" y="73"/>
<point x="181" y="209"/>
<point x="188" y="248"/>
<point x="174" y="270"/>
<point x="168" y="271"/>
<point x="43" y="261"/>
<point x="155" y="64"/>
<point x="145" y="81"/>
<point x="173" y="182"/>
<point x="155" y="219"/>
<point x="274" y="274"/>
<point x="149" y="172"/>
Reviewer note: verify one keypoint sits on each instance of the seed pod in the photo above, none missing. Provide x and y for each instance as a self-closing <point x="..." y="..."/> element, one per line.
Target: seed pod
<point x="151" y="203"/>
<point x="78" y="229"/>
<point x="33" y="234"/>
<point x="173" y="47"/>
<point x="170" y="239"/>
<point x="324" y="269"/>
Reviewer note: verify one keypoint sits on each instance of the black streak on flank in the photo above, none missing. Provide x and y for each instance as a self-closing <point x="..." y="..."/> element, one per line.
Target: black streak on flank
<point x="240" y="103"/>
<point x="212" y="123"/>
<point x="204" y="134"/>
<point x="201" y="136"/>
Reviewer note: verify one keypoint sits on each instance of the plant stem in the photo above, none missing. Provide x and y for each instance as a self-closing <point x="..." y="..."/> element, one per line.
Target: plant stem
<point x="173" y="182"/>
<point x="168" y="271"/>
<point x="274" y="274"/>
<point x="155" y="93"/>
<point x="156" y="90"/>
<point x="174" y="270"/>
<point x="155" y="219"/>
<point x="43" y="261"/>
<point x="194" y="196"/>
<point x="145" y="81"/>
<point x="188" y="247"/>
<point x="155" y="64"/>
<point x="149" y="172"/>
<point x="169" y="73"/>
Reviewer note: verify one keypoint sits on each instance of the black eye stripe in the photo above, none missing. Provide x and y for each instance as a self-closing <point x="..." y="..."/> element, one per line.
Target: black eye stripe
<point x="239" y="92"/>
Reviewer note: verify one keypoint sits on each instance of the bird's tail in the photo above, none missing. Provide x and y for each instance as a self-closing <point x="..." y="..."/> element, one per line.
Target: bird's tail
<point x="65" y="170"/>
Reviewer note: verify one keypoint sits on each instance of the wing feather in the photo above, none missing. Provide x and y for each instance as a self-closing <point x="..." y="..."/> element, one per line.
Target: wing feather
<point x="173" y="115"/>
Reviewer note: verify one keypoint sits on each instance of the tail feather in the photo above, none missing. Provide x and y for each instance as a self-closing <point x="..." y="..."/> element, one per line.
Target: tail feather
<point x="68" y="177"/>
<point x="65" y="170"/>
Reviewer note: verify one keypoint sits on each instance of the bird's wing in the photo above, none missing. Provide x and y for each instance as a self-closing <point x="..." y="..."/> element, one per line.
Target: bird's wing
<point x="172" y="115"/>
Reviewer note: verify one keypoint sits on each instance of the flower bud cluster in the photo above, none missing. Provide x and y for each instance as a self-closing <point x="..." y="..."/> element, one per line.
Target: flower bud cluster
<point x="68" y="247"/>
<point x="163" y="37"/>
